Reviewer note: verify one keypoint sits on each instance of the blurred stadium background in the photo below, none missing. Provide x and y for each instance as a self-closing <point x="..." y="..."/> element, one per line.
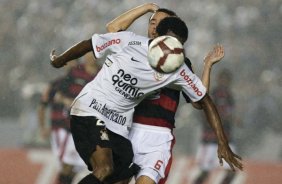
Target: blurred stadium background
<point x="250" y="30"/>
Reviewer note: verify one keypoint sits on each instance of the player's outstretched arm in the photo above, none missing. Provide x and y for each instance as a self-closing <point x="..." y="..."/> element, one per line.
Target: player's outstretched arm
<point x="224" y="151"/>
<point x="74" y="52"/>
<point x="211" y="58"/>
<point x="123" y="21"/>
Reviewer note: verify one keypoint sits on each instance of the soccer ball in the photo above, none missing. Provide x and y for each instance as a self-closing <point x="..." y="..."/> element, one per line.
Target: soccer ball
<point x="166" y="54"/>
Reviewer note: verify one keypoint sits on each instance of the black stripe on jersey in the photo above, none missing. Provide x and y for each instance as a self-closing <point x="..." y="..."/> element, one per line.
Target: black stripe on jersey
<point x="159" y="110"/>
<point x="150" y="41"/>
<point x="92" y="49"/>
<point x="189" y="64"/>
<point x="172" y="93"/>
<point x="148" y="108"/>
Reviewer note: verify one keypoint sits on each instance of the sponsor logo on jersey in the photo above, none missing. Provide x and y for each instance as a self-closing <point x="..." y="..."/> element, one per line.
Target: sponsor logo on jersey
<point x="134" y="43"/>
<point x="135" y="60"/>
<point x="107" y="112"/>
<point x="125" y="84"/>
<point x="190" y="83"/>
<point x="158" y="76"/>
<point x="107" y="44"/>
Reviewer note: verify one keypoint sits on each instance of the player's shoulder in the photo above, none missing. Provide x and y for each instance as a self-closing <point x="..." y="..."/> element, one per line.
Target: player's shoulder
<point x="130" y="34"/>
<point x="122" y="33"/>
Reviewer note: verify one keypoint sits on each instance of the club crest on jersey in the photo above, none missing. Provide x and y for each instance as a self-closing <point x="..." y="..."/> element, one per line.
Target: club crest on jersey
<point x="158" y="76"/>
<point x="104" y="135"/>
<point x="108" y="62"/>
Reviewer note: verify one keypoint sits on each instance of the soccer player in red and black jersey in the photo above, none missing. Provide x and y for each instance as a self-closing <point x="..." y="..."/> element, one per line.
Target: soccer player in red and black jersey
<point x="154" y="118"/>
<point x="58" y="97"/>
<point x="206" y="154"/>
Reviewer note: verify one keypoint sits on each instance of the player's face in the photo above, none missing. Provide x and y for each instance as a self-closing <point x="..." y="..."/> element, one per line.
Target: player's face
<point x="153" y="23"/>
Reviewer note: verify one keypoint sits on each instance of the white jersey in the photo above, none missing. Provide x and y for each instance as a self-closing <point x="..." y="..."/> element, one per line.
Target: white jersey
<point x="125" y="79"/>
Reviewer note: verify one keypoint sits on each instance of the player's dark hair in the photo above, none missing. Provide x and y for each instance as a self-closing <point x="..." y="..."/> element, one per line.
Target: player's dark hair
<point x="167" y="11"/>
<point x="174" y="24"/>
<point x="164" y="10"/>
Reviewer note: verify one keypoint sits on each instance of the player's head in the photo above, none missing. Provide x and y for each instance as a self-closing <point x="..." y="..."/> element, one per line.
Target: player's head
<point x="156" y="18"/>
<point x="173" y="26"/>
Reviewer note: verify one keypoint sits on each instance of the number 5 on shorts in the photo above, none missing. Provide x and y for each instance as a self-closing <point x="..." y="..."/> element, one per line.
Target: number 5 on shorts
<point x="158" y="164"/>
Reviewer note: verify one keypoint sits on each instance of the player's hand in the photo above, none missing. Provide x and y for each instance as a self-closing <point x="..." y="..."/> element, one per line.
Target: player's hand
<point x="233" y="160"/>
<point x="55" y="62"/>
<point x="152" y="7"/>
<point x="215" y="55"/>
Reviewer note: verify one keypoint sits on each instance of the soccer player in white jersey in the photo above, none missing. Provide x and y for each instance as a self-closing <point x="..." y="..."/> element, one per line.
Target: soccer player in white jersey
<point x="102" y="112"/>
<point x="148" y="125"/>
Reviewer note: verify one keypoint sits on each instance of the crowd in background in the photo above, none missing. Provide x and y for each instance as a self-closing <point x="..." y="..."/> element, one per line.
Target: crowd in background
<point x="249" y="30"/>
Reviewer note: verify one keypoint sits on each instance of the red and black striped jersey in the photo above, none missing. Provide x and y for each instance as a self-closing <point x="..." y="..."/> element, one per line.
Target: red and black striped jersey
<point x="69" y="86"/>
<point x="57" y="115"/>
<point x="76" y="79"/>
<point x="160" y="111"/>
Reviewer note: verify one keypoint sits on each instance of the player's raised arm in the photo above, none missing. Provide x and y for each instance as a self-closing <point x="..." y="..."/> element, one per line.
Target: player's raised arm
<point x="74" y="52"/>
<point x="123" y="21"/>
<point x="212" y="57"/>
<point x="224" y="151"/>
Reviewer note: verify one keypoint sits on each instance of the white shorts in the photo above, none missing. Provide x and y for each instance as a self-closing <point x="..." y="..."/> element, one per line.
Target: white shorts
<point x="63" y="147"/>
<point x="207" y="157"/>
<point x="152" y="147"/>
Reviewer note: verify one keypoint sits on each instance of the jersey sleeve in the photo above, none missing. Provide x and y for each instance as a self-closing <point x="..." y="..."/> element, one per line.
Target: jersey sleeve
<point x="191" y="84"/>
<point x="189" y="65"/>
<point x="110" y="42"/>
<point x="186" y="97"/>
